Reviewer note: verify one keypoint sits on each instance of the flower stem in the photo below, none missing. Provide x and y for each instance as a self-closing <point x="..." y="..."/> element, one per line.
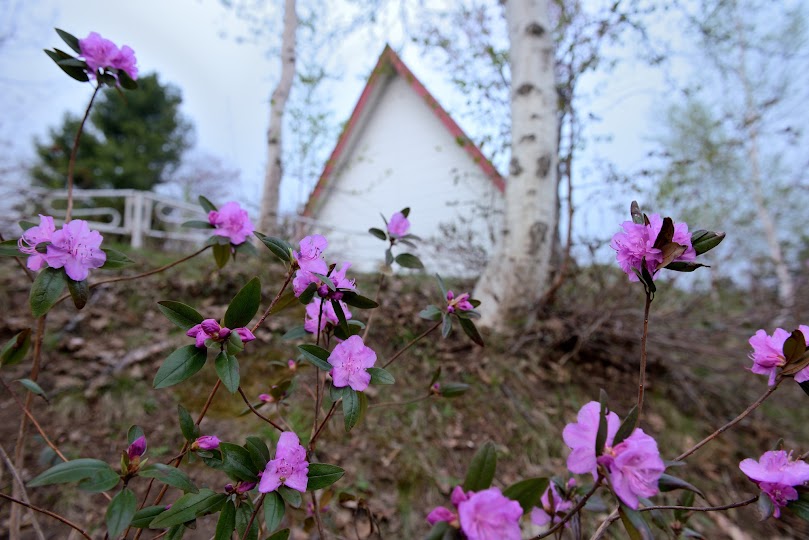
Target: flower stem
<point x="253" y="516"/>
<point x="319" y="429"/>
<point x="753" y="406"/>
<point x="48" y="513"/>
<point x="643" y="340"/>
<point x="150" y="272"/>
<point x="274" y="301"/>
<point x="316" y="513"/>
<point x="71" y="165"/>
<point x="253" y="409"/>
<point x="701" y="508"/>
<point x="412" y="342"/>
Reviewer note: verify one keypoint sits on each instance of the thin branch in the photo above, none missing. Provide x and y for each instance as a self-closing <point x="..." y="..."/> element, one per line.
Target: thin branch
<point x="253" y="516"/>
<point x="48" y="513"/>
<point x="412" y="342"/>
<point x="72" y="163"/>
<point x="318" y="520"/>
<point x="643" y="340"/>
<point x="701" y="508"/>
<point x="253" y="409"/>
<point x="319" y="429"/>
<point x="23" y="492"/>
<point x="274" y="300"/>
<point x="33" y="421"/>
<point x="150" y="272"/>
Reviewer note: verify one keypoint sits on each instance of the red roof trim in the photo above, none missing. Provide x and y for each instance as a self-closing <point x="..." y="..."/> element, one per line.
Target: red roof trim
<point x="390" y="58"/>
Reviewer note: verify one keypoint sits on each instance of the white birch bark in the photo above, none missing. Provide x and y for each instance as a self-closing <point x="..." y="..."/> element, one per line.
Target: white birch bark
<point x="268" y="218"/>
<point x="519" y="271"/>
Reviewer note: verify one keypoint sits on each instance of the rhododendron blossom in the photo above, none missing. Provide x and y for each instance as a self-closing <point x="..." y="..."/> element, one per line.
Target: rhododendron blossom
<point x="490" y="515"/>
<point x="351" y="360"/>
<point x="398" y="225"/>
<point x="76" y="248"/>
<point x="581" y="438"/>
<point x="552" y="503"/>
<point x="232" y="222"/>
<point x="309" y="256"/>
<point x="210" y="329"/>
<point x="768" y="353"/>
<point x="32" y="237"/>
<point x="460" y="303"/>
<point x="327" y="316"/>
<point x="101" y="53"/>
<point x="636" y="242"/>
<point x="289" y="468"/>
<point x="777" y="474"/>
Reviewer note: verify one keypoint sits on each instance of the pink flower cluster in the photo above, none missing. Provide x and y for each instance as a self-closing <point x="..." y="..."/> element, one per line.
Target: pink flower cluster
<point x="634" y="465"/>
<point x="328" y="316"/>
<point x="232" y="222"/>
<point x="351" y="360"/>
<point x="482" y="515"/>
<point x="460" y="303"/>
<point x="310" y="262"/>
<point x="768" y="353"/>
<point x="398" y="225"/>
<point x="289" y="468"/>
<point x="210" y="329"/>
<point x="636" y="242"/>
<point x="101" y="53"/>
<point x="777" y="474"/>
<point x="74" y="247"/>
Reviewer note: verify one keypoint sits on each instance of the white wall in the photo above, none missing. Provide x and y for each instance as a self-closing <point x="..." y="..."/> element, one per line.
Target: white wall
<point x="402" y="155"/>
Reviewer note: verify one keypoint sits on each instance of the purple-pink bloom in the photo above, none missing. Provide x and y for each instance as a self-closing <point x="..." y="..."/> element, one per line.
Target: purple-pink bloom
<point x="98" y="52"/>
<point x="303" y="278"/>
<point x="76" y="248"/>
<point x="440" y="513"/>
<point x="351" y="360"/>
<point x="328" y="316"/>
<point x="398" y="225"/>
<point x="207" y="329"/>
<point x="460" y="303"/>
<point x="581" y="438"/>
<point x="232" y="222"/>
<point x="32" y="237"/>
<point x="634" y="467"/>
<point x="266" y="398"/>
<point x="636" y="242"/>
<point x="489" y="515"/>
<point x="289" y="467"/>
<point x="338" y="277"/>
<point x="137" y="448"/>
<point x="125" y="61"/>
<point x="768" y="353"/>
<point x="206" y="442"/>
<point x="777" y="474"/>
<point x="552" y="504"/>
<point x="309" y="256"/>
<point x="245" y="334"/>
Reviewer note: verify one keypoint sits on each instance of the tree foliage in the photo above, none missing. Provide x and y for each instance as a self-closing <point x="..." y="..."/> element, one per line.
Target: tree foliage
<point x="131" y="141"/>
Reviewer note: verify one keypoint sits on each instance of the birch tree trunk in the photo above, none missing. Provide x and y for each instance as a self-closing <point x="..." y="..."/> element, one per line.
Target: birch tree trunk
<point x="519" y="271"/>
<point x="268" y="219"/>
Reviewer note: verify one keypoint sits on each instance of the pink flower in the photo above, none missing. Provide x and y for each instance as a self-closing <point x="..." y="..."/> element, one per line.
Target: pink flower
<point x="210" y="329"/>
<point x="232" y="222"/>
<point x="76" y="248"/>
<point x="489" y="515"/>
<point x="398" y="225"/>
<point x="206" y="442"/>
<point x="581" y="438"/>
<point x="550" y="506"/>
<point x="461" y="303"/>
<point x="351" y="359"/>
<point x="245" y="334"/>
<point x="440" y="513"/>
<point x="289" y="467"/>
<point x="636" y="243"/>
<point x="777" y="474"/>
<point x="125" y="61"/>
<point x="137" y="448"/>
<point x="634" y="467"/>
<point x="98" y="52"/>
<point x="266" y="398"/>
<point x="329" y="316"/>
<point x="303" y="278"/>
<point x="338" y="277"/>
<point x="768" y="353"/>
<point x="309" y="257"/>
<point x="34" y="236"/>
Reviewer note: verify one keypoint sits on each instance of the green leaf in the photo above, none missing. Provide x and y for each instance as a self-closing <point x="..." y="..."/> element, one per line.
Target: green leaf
<point x="358" y="301"/>
<point x="116" y="259"/>
<point x="351" y="408"/>
<point x="126" y="81"/>
<point x="637" y="216"/>
<point x="703" y="241"/>
<point x="259" y="452"/>
<point x="316" y="356"/>
<point x="442" y="531"/>
<point x="234" y="344"/>
<point x="380" y="376"/>
<point x="471" y="330"/>
<point x="144" y="516"/>
<point x="227" y="367"/>
<point x="287" y="299"/>
<point x="668" y="482"/>
<point x="180" y="365"/>
<point x="46" y="290"/>
<point x="180" y="314"/>
<point x="274" y="509"/>
<point x="134" y="433"/>
<point x="451" y="390"/>
<point x="15" y="349"/>
<point x="76" y="73"/>
<point x="189" y="429"/>
<point x="434" y="378"/>
<point x="189" y="507"/>
<point x="206" y="205"/>
<point x="405" y="211"/>
<point x="120" y="512"/>
<point x="480" y="474"/>
<point x="247" y="248"/>
<point x="527" y="492"/>
<point x="102" y="480"/>
<point x="244" y="305"/>
<point x="70" y="471"/>
<point x="322" y="475"/>
<point x="278" y="247"/>
<point x="379" y="233"/>
<point x="636" y="527"/>
<point x="765" y="506"/>
<point x="297" y="332"/>
<point x="601" y="434"/>
<point x="800" y="506"/>
<point x="388" y="257"/>
<point x="71" y="40"/>
<point x="408" y="260"/>
<point x="227" y="522"/>
<point x="627" y="426"/>
<point x="283" y="534"/>
<point x="431" y="313"/>
<point x="446" y="326"/>
<point x="680" y="266"/>
<point x="243" y="513"/>
<point x="79" y="292"/>
<point x="237" y="463"/>
<point x="9" y="248"/>
<point x="341" y="316"/>
<point x="171" y="476"/>
<point x="221" y="254"/>
<point x="307" y="294"/>
<point x="442" y="286"/>
<point x="291" y="496"/>
<point x="176" y="532"/>
<point x="197" y="224"/>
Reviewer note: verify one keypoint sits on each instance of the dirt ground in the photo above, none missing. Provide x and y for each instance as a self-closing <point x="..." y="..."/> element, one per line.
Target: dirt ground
<point x="404" y="459"/>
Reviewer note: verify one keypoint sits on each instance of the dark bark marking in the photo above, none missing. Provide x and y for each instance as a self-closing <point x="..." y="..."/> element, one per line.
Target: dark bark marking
<point x="535" y="29"/>
<point x="525" y="88"/>
<point x="536" y="235"/>
<point x="514" y="168"/>
<point x="543" y="166"/>
<point x="528" y="138"/>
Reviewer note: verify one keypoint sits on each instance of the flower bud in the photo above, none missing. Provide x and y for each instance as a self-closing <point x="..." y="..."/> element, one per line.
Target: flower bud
<point x="137" y="448"/>
<point x="206" y="442"/>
